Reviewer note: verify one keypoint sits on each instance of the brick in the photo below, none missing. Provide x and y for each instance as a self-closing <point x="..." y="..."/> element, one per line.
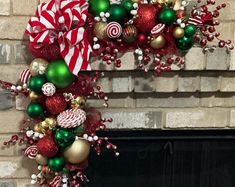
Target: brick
<point x="22" y="102"/>
<point x="144" y="83"/>
<point x="213" y="118"/>
<point x="106" y="83"/>
<point x="166" y="83"/>
<point x="134" y="120"/>
<point x="6" y="150"/>
<point x="122" y="83"/>
<point x="24" y="7"/>
<point x="167" y="100"/>
<point x="10" y="121"/>
<point x="120" y="100"/>
<point x="5" y="7"/>
<point x="195" y="59"/>
<point x="26" y="183"/>
<point x="228" y="13"/>
<point x="5" y="53"/>
<point x="22" y="55"/>
<point x="232" y="60"/>
<point x="232" y="118"/>
<point x="7" y="184"/>
<point x="228" y="83"/>
<point x="217" y="59"/>
<point x="226" y="30"/>
<point x="128" y="61"/>
<point x="189" y="82"/>
<point x="16" y="167"/>
<point x="217" y="99"/>
<point x="98" y="64"/>
<point x="12" y="28"/>
<point x="210" y="82"/>
<point x="6" y="100"/>
<point x="11" y="73"/>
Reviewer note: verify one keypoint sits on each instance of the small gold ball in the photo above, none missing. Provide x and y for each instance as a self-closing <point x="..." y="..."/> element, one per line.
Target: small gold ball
<point x="51" y="122"/>
<point x="178" y="32"/>
<point x="36" y="65"/>
<point x="33" y="95"/>
<point x="78" y="102"/>
<point x="99" y="30"/>
<point x="41" y="159"/>
<point x="158" y="42"/>
<point x="37" y="128"/>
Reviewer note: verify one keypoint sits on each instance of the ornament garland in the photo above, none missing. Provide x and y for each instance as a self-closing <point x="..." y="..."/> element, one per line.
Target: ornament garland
<point x="60" y="129"/>
<point x="160" y="32"/>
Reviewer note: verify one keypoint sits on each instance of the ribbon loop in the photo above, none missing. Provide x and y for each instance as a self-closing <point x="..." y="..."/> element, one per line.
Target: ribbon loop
<point x="63" y="21"/>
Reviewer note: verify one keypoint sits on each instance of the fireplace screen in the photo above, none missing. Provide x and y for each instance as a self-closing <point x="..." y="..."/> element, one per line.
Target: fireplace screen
<point x="166" y="159"/>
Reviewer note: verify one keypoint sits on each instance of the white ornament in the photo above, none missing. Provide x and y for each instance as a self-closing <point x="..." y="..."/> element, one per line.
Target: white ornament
<point x="48" y="89"/>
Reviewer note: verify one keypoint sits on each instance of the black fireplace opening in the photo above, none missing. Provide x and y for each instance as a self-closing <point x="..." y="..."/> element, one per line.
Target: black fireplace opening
<point x="166" y="159"/>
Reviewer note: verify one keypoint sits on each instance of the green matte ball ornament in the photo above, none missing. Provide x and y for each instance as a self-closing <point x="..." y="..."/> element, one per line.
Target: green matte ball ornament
<point x="98" y="6"/>
<point x="58" y="73"/>
<point x="35" y="83"/>
<point x="190" y="30"/>
<point x="117" y="13"/>
<point x="56" y="164"/>
<point x="35" y="110"/>
<point x="184" y="43"/>
<point x="167" y="16"/>
<point x="64" y="137"/>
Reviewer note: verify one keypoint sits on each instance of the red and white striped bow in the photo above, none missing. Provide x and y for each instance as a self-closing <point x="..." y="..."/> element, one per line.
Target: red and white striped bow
<point x="63" y="21"/>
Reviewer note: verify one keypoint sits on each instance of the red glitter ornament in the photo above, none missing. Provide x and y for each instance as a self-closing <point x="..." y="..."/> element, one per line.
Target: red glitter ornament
<point x="47" y="146"/>
<point x="146" y="19"/>
<point x="56" y="104"/>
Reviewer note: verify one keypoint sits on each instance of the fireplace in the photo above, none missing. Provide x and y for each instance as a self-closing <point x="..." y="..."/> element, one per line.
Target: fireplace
<point x="166" y="159"/>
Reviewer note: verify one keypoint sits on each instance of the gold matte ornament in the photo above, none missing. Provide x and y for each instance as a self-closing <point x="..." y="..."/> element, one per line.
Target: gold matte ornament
<point x="158" y="42"/>
<point x="77" y="152"/>
<point x="99" y="30"/>
<point x="78" y="102"/>
<point x="41" y="159"/>
<point x="38" y="66"/>
<point x="178" y="32"/>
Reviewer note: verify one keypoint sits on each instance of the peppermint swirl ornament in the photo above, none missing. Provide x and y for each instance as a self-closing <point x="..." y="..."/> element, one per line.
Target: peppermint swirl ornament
<point x="48" y="89"/>
<point x="31" y="152"/>
<point x="157" y="30"/>
<point x="113" y="30"/>
<point x="71" y="118"/>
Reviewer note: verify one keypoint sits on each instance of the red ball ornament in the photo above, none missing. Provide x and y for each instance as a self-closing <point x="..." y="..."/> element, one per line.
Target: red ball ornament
<point x="141" y="39"/>
<point x="47" y="146"/>
<point x="146" y="19"/>
<point x="56" y="104"/>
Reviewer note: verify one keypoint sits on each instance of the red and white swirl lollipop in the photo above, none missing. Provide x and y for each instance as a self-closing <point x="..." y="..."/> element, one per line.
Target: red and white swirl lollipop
<point x="157" y="30"/>
<point x="31" y="151"/>
<point x="113" y="30"/>
<point x="71" y="118"/>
